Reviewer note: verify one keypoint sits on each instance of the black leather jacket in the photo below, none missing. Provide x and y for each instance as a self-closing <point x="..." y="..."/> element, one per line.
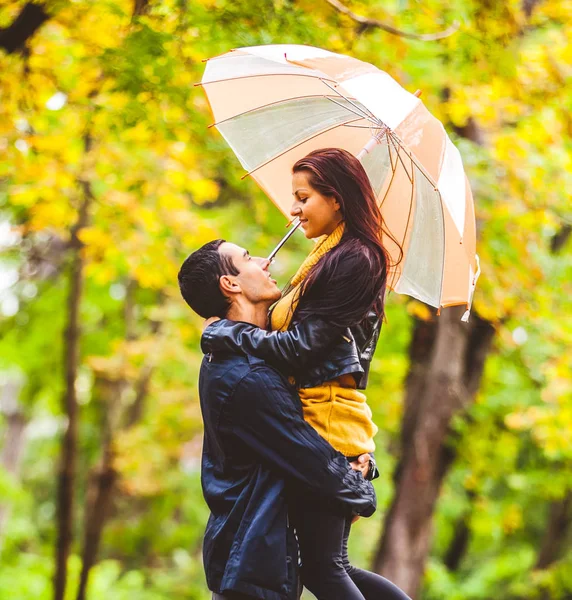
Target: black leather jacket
<point x="312" y="351"/>
<point x="258" y="455"/>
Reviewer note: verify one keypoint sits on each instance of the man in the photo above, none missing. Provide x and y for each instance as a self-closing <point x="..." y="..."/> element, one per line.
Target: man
<point x="258" y="450"/>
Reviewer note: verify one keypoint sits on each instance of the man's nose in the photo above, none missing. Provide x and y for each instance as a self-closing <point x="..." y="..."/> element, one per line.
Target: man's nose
<point x="263" y="262"/>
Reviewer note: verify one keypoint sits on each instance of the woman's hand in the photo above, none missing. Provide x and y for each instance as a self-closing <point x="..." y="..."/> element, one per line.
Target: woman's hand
<point x="210" y="322"/>
<point x="361" y="464"/>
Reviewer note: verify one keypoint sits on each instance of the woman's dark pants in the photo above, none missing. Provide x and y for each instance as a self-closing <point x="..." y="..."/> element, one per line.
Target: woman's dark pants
<point x="231" y="596"/>
<point x="326" y="570"/>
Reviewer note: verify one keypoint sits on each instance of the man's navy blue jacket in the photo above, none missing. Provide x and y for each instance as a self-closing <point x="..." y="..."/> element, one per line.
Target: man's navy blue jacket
<point x="256" y="447"/>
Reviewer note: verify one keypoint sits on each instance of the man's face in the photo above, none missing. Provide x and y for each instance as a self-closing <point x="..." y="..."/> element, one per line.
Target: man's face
<point x="253" y="277"/>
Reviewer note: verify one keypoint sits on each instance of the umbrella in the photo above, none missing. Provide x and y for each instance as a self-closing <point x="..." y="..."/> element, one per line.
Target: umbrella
<point x="275" y="104"/>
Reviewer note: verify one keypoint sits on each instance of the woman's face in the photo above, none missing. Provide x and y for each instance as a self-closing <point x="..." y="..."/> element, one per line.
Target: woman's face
<point x="320" y="215"/>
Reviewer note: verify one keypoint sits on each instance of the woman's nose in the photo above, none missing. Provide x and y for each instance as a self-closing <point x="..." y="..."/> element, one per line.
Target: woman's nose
<point x="295" y="209"/>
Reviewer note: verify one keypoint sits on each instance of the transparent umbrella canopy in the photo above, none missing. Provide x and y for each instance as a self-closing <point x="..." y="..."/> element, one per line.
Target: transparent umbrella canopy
<point x="275" y="104"/>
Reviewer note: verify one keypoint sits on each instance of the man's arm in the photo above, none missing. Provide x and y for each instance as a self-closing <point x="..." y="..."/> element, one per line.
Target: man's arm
<point x="266" y="418"/>
<point x="290" y="350"/>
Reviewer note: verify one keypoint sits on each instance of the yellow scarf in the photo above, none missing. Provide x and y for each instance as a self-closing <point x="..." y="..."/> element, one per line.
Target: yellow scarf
<point x="284" y="309"/>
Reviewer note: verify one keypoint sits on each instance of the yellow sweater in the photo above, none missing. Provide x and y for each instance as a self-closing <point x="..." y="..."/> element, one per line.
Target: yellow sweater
<point x="335" y="409"/>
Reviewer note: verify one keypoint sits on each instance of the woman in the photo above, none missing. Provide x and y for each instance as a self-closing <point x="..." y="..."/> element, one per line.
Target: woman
<point x="325" y="329"/>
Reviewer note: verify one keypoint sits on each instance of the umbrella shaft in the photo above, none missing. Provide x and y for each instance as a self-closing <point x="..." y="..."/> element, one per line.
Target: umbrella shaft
<point x="368" y="147"/>
<point x="296" y="223"/>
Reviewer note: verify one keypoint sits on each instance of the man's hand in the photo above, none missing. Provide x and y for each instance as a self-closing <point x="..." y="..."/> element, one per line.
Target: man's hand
<point x="210" y="322"/>
<point x="361" y="464"/>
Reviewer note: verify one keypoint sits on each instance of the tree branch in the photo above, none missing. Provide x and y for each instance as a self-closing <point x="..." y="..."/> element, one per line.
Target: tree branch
<point x="365" y="22"/>
<point x="460" y="542"/>
<point x="528" y="7"/>
<point x="30" y="19"/>
<point x="560" y="238"/>
<point x="140" y="7"/>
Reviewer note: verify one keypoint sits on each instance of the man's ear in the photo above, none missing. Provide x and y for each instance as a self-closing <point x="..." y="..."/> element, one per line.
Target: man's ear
<point x="228" y="285"/>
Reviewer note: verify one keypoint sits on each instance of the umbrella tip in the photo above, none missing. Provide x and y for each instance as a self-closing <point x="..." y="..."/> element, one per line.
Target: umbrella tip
<point x="418" y="93"/>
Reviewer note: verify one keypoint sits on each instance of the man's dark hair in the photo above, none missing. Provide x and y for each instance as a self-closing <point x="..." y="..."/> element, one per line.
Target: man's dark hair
<point x="199" y="280"/>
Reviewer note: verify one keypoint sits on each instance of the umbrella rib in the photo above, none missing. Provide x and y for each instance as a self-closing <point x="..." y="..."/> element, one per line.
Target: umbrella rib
<point x="236" y="78"/>
<point x="393" y="170"/>
<point x="365" y="110"/>
<point x="393" y="167"/>
<point x="362" y="114"/>
<point x="429" y="179"/>
<point x="228" y="54"/>
<point x="408" y="219"/>
<point x="413" y="158"/>
<point x="275" y="103"/>
<point x="295" y="146"/>
<point x="359" y="126"/>
<point x="410" y="177"/>
<point x="423" y="172"/>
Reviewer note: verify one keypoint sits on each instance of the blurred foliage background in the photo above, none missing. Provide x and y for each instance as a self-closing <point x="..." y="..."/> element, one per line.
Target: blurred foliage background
<point x="109" y="177"/>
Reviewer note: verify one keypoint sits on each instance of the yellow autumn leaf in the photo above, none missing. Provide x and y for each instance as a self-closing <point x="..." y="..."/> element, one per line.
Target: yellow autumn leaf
<point x="176" y="178"/>
<point x="93" y="236"/>
<point x="58" y="215"/>
<point x="172" y="202"/>
<point x="147" y="277"/>
<point x="516" y="421"/>
<point x="148" y="218"/>
<point x="512" y="519"/>
<point x="203" y="190"/>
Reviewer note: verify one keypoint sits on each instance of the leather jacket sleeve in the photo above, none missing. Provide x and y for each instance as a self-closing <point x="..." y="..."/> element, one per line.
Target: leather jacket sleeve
<point x="267" y="418"/>
<point x="373" y="472"/>
<point x="291" y="351"/>
<point x="366" y="334"/>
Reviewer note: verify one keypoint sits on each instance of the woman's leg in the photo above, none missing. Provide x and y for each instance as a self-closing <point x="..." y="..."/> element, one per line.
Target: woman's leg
<point x="320" y="537"/>
<point x="371" y="585"/>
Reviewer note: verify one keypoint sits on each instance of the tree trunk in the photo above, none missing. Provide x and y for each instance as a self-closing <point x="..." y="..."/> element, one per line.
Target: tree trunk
<point x="67" y="471"/>
<point x="98" y="504"/>
<point x="420" y="349"/>
<point x="435" y="394"/>
<point x="559" y="521"/>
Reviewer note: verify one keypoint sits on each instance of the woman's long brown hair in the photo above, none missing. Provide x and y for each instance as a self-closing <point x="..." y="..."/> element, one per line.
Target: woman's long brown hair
<point x="350" y="280"/>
